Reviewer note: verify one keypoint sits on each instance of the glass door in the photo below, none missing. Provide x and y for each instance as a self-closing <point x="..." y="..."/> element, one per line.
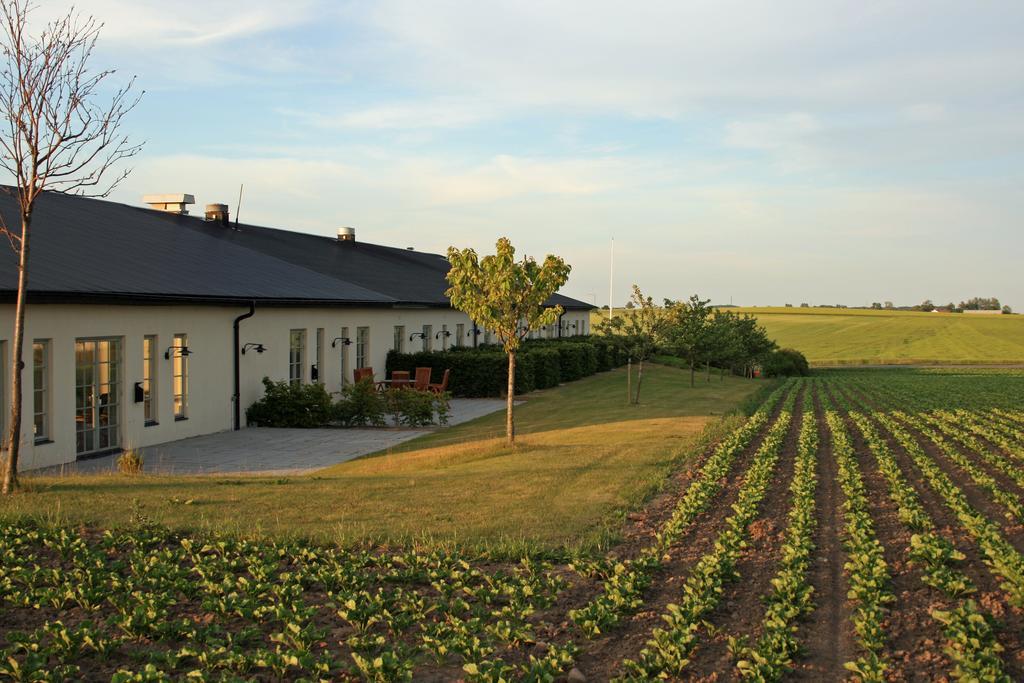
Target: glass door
<point x="97" y="395"/>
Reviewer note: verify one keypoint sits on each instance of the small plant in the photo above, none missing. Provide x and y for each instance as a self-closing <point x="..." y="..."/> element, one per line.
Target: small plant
<point x="130" y="461"/>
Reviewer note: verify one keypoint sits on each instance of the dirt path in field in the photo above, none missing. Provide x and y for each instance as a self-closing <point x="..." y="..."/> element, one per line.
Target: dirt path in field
<point x="826" y="635"/>
<point x="989" y="595"/>
<point x="740" y="611"/>
<point x="601" y="658"/>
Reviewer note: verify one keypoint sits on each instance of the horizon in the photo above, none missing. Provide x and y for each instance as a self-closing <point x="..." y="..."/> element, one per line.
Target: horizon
<point x="748" y="152"/>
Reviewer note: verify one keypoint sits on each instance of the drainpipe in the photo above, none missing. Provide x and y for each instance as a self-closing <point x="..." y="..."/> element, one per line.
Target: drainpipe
<point x="238" y="382"/>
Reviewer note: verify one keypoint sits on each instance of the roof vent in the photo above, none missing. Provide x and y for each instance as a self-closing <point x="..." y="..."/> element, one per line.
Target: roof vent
<point x="218" y="213"/>
<point x="171" y="203"/>
<point x="346" y="234"/>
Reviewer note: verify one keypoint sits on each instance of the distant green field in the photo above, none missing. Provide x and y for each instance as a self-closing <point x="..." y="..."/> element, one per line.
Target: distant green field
<point x="829" y="336"/>
<point x="840" y="336"/>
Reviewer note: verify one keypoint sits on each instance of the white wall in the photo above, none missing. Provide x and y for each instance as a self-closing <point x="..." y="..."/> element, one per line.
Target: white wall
<point x="209" y="331"/>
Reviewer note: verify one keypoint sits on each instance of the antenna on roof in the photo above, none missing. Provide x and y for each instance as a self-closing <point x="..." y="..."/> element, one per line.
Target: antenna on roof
<point x="238" y="209"/>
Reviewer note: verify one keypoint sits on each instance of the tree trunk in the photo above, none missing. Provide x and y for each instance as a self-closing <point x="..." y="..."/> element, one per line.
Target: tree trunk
<point x="639" y="379"/>
<point x="510" y="423"/>
<point x="692" y="372"/>
<point x="14" y="433"/>
<point x="707" y="371"/>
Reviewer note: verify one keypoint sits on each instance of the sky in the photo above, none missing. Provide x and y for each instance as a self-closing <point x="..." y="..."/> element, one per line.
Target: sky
<point x="754" y="152"/>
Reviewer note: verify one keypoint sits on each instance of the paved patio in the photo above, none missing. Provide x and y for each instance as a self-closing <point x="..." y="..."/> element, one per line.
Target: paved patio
<point x="272" y="451"/>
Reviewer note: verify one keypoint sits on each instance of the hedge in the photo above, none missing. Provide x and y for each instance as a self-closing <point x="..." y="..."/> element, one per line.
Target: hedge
<point x="540" y="364"/>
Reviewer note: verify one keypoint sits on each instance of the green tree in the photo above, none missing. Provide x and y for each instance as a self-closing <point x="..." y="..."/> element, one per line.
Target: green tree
<point x="641" y="328"/>
<point x="753" y="342"/>
<point x="508" y="297"/>
<point x="724" y="341"/>
<point x="687" y="330"/>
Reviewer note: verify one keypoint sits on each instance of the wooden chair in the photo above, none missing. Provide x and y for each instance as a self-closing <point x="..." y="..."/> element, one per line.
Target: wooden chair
<point x="400" y="379"/>
<point x="361" y="374"/>
<point x="422" y="379"/>
<point x="443" y="386"/>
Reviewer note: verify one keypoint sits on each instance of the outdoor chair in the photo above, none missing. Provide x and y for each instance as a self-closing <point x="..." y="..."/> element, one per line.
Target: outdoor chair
<point x="400" y="379"/>
<point x="361" y="374"/>
<point x="422" y="379"/>
<point x="443" y="386"/>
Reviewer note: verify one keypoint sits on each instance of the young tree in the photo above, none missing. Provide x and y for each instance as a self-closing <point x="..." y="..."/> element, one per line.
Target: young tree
<point x="506" y="296"/>
<point x="641" y="328"/>
<point x="62" y="135"/>
<point x="687" y="330"/>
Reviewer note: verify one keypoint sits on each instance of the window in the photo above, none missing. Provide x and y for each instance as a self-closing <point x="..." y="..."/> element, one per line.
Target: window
<point x="149" y="346"/>
<point x="399" y="338"/>
<point x="317" y="372"/>
<point x="41" y="389"/>
<point x="586" y="327"/>
<point x="487" y="336"/>
<point x="460" y="334"/>
<point x="362" y="346"/>
<point x="180" y="377"/>
<point x="296" y="351"/>
<point x="344" y="355"/>
<point x="444" y="337"/>
<point x="428" y="337"/>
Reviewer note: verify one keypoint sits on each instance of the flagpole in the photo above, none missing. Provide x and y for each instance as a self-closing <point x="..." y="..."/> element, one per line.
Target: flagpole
<point x="611" y="281"/>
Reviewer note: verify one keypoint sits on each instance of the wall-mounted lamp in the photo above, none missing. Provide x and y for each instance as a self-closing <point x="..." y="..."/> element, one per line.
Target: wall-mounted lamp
<point x="474" y="330"/>
<point x="421" y="335"/>
<point x="344" y="340"/>
<point x="258" y="348"/>
<point x="444" y="333"/>
<point x="177" y="351"/>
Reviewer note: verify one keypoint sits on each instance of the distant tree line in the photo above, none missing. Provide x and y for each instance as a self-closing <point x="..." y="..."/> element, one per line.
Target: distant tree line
<point x="977" y="303"/>
<point x="702" y="336"/>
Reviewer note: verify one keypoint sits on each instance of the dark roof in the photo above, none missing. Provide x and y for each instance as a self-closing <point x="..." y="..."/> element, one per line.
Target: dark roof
<point x="90" y="249"/>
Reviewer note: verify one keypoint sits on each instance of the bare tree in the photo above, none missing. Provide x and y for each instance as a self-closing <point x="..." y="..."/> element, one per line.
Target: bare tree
<point x="63" y="135"/>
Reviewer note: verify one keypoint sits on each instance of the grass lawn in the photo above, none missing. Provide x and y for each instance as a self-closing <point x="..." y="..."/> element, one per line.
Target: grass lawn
<point x="829" y="336"/>
<point x="584" y="458"/>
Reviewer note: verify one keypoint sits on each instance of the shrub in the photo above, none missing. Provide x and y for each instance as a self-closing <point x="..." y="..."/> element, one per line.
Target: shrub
<point x="785" y="363"/>
<point x="547" y="367"/>
<point x="291" y="405"/>
<point x="540" y="364"/>
<point x="416" y="408"/>
<point x="360" y="405"/>
<point x="130" y="462"/>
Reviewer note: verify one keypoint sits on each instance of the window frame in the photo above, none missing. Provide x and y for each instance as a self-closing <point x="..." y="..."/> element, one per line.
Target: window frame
<point x="180" y="380"/>
<point x="399" y="344"/>
<point x="150" y="344"/>
<point x="297" y="356"/>
<point x="428" y="337"/>
<point x="41" y="435"/>
<point x="320" y="333"/>
<point x="362" y="346"/>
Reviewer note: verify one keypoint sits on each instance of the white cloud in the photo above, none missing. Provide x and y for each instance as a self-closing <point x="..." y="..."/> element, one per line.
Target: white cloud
<point x="434" y="113"/>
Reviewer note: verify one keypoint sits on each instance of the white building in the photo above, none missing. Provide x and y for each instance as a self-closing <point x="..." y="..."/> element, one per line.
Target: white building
<point x="146" y="325"/>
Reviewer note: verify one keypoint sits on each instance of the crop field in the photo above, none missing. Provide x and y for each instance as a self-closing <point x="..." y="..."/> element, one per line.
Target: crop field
<point x="859" y="525"/>
<point x="856" y="336"/>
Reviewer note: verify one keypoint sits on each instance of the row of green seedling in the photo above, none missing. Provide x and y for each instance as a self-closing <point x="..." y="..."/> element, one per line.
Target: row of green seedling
<point x="624" y="582"/>
<point x="866" y="569"/>
<point x="771" y="655"/>
<point x="971" y="642"/>
<point x="667" y="653"/>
